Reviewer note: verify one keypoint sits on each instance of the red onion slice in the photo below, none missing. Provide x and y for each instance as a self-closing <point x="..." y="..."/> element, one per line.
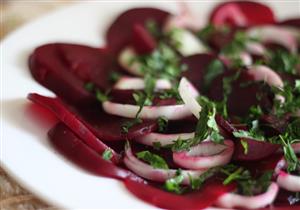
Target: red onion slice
<point x="185" y="19"/>
<point x="264" y="73"/>
<point x="160" y="175"/>
<point x="163" y="139"/>
<point x="275" y="34"/>
<point x="288" y="182"/>
<point x="133" y="83"/>
<point x="205" y="155"/>
<point x="171" y="112"/>
<point x="188" y="93"/>
<point x="126" y="60"/>
<point x="255" y="48"/>
<point x="231" y="200"/>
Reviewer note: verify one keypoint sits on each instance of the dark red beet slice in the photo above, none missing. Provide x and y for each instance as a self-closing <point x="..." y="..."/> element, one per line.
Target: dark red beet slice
<point x="73" y="148"/>
<point x="56" y="106"/>
<point x="198" y="68"/>
<point x="65" y="68"/>
<point x="243" y="94"/>
<point x="272" y="125"/>
<point x="201" y="199"/>
<point x="142" y="41"/>
<point x="119" y="33"/>
<point x="294" y="22"/>
<point x="106" y="127"/>
<point x="48" y="69"/>
<point x="257" y="150"/>
<point x="242" y="13"/>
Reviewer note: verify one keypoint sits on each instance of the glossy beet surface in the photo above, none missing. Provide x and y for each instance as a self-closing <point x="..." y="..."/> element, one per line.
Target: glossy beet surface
<point x="242" y="14"/>
<point x="119" y="34"/>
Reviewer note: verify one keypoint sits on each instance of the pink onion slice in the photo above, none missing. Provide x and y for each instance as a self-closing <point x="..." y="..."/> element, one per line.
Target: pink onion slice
<point x="231" y="200"/>
<point x="205" y="155"/>
<point x="160" y="175"/>
<point x="275" y="34"/>
<point x="288" y="182"/>
<point x="296" y="147"/>
<point x="184" y="19"/>
<point x="125" y="60"/>
<point x="171" y="112"/>
<point x="126" y="83"/>
<point x="188" y="93"/>
<point x="264" y="73"/>
<point x="163" y="139"/>
<point x="255" y="48"/>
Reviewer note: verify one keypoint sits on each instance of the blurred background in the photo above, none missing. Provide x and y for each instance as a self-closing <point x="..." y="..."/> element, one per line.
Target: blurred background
<point x="15" y="13"/>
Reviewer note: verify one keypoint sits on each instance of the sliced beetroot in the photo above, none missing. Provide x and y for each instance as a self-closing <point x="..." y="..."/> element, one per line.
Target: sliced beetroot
<point x="56" y="106"/>
<point x="294" y="22"/>
<point x="119" y="33"/>
<point x="245" y="92"/>
<point x="257" y="150"/>
<point x="48" y="69"/>
<point x="226" y="127"/>
<point x="142" y="40"/>
<point x="242" y="14"/>
<point x="89" y="64"/>
<point x="273" y="125"/>
<point x="197" y="69"/>
<point x="106" y="127"/>
<point x="66" y="68"/>
<point x="201" y="199"/>
<point x="73" y="148"/>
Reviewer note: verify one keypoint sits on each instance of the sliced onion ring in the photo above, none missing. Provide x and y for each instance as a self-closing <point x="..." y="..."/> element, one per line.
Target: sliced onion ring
<point x="205" y="155"/>
<point x="160" y="175"/>
<point x="231" y="200"/>
<point x="135" y="83"/>
<point x="163" y="139"/>
<point x="188" y="94"/>
<point x="125" y="60"/>
<point x="288" y="182"/>
<point x="171" y="112"/>
<point x="275" y="34"/>
<point x="264" y="73"/>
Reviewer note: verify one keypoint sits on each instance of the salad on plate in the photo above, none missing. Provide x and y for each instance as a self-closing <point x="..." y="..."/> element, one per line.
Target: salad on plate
<point x="187" y="114"/>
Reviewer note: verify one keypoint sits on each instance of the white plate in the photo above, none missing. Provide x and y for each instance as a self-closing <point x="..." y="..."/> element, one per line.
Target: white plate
<point x="25" y="152"/>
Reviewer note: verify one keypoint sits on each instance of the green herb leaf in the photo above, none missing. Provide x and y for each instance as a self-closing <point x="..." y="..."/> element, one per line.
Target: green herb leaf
<point x="173" y="184"/>
<point x="284" y="61"/>
<point x="89" y="86"/>
<point x="214" y="69"/>
<point x="154" y="160"/>
<point x="245" y="146"/>
<point x="162" y="123"/>
<point x="129" y="124"/>
<point x="114" y="76"/>
<point x="107" y="154"/>
<point x="102" y="97"/>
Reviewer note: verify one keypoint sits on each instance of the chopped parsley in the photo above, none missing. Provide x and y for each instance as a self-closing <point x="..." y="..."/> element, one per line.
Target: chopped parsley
<point x="173" y="184"/>
<point x="107" y="154"/>
<point x="100" y="96"/>
<point x="214" y="69"/>
<point x="162" y="123"/>
<point x="284" y="61"/>
<point x="129" y="124"/>
<point x="89" y="86"/>
<point x="114" y="76"/>
<point x="154" y="160"/>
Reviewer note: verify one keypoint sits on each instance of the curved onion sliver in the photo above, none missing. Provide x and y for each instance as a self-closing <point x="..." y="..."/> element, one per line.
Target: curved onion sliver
<point x="205" y="155"/>
<point x="275" y="34"/>
<point x="163" y="139"/>
<point x="188" y="93"/>
<point x="171" y="112"/>
<point x="288" y="182"/>
<point x="255" y="48"/>
<point x="160" y="175"/>
<point x="264" y="73"/>
<point x="134" y="83"/>
<point x="231" y="200"/>
<point x="126" y="60"/>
